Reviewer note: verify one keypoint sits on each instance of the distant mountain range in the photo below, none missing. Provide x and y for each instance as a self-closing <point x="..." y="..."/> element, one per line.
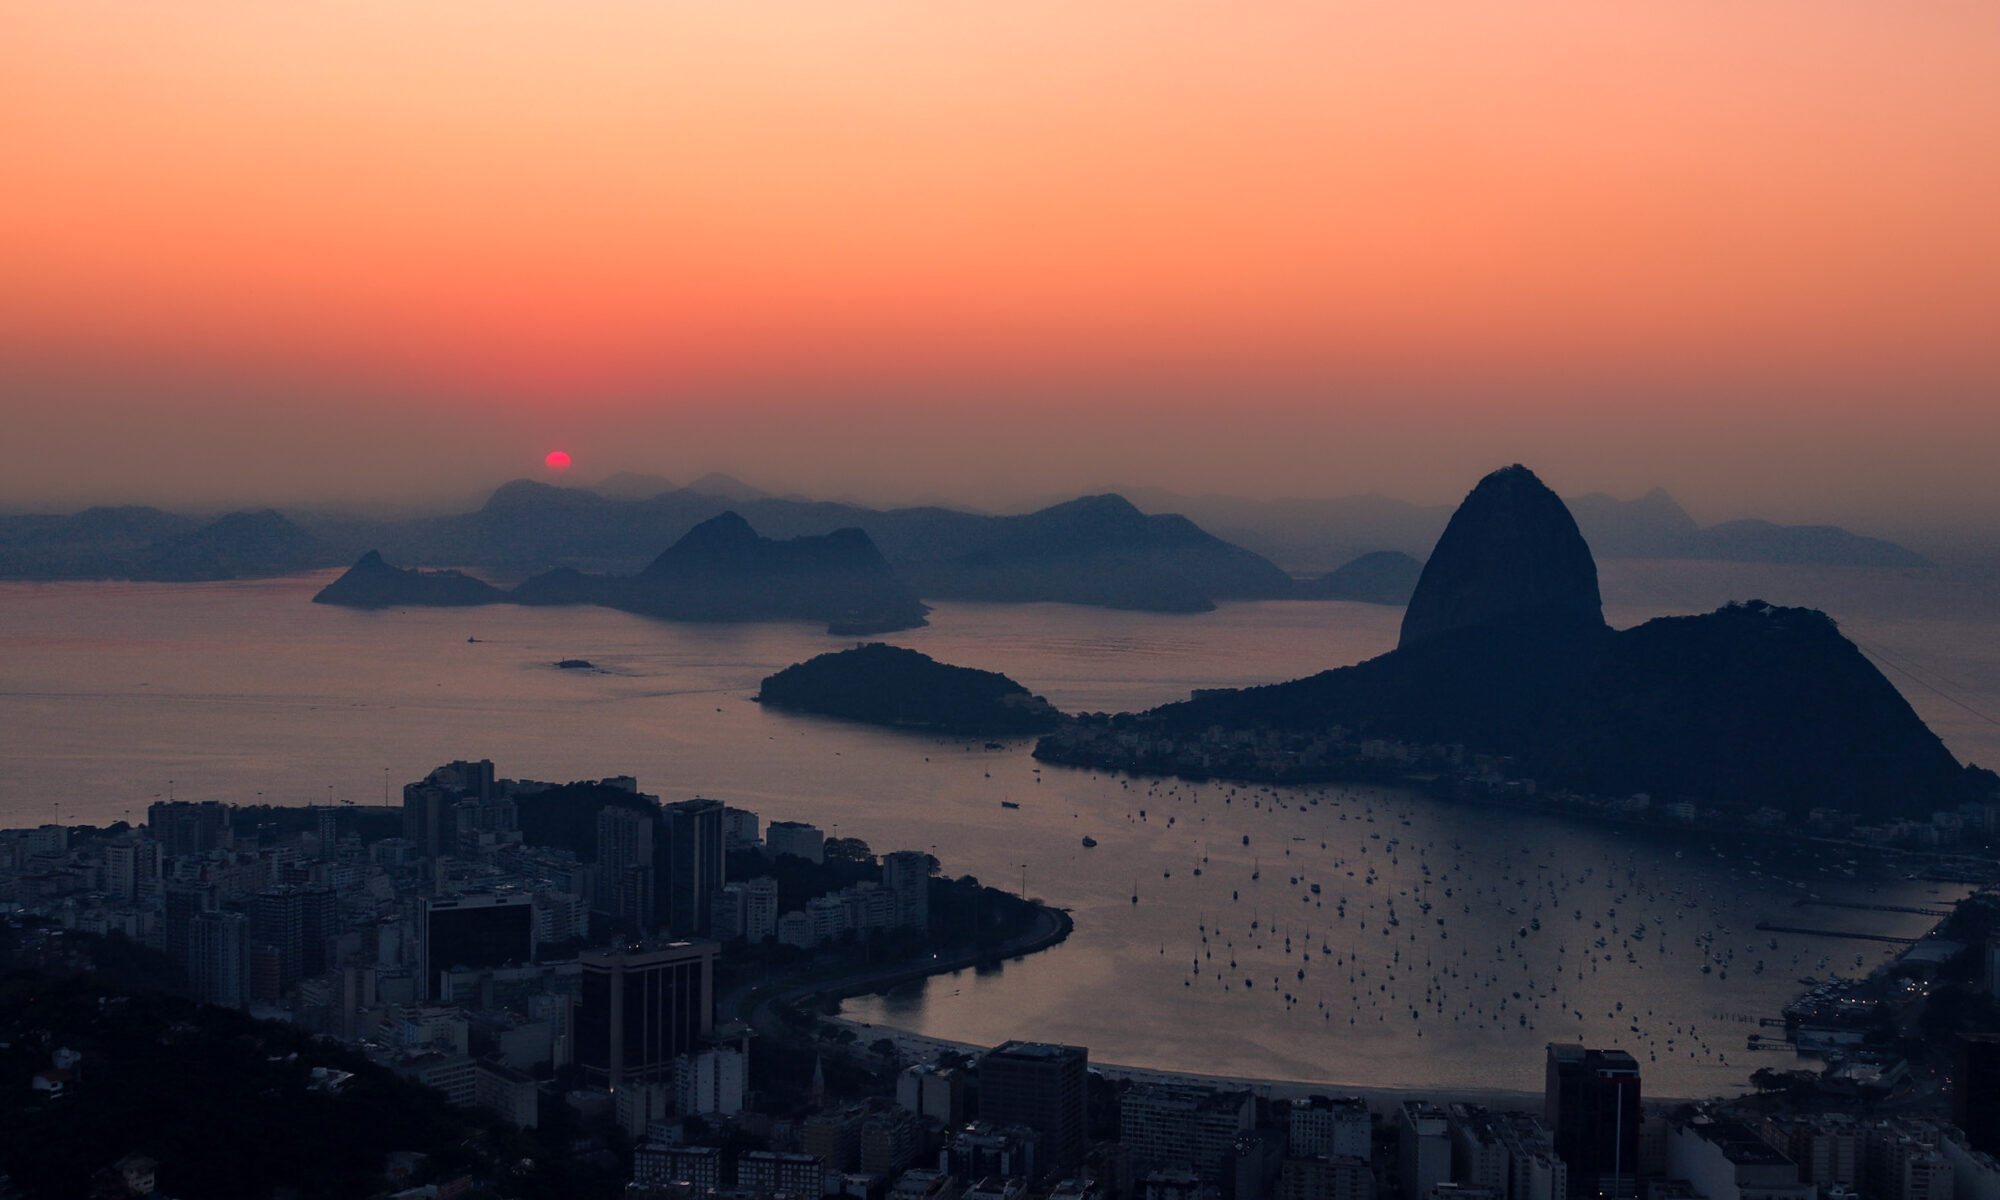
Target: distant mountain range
<point x="1164" y="552"/>
<point x="1097" y="550"/>
<point x="146" y="543"/>
<point x="1318" y="534"/>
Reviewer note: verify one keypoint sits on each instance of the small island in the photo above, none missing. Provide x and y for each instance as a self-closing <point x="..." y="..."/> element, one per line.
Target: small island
<point x="891" y="685"/>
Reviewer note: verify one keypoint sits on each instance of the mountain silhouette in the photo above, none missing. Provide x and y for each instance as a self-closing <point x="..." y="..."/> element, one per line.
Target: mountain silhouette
<point x="1511" y="554"/>
<point x="1382" y="577"/>
<point x="719" y="571"/>
<point x="243" y="544"/>
<point x="373" y="583"/>
<point x="1504" y="652"/>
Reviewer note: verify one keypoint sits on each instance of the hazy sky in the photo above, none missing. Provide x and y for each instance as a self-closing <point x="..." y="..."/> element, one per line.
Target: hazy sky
<point x="386" y="250"/>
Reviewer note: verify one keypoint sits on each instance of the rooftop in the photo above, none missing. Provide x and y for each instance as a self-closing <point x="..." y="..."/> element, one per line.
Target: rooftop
<point x="1042" y="1051"/>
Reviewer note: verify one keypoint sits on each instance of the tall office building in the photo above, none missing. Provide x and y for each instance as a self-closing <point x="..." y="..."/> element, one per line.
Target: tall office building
<point x="1041" y="1086"/>
<point x="217" y="958"/>
<point x="694" y="865"/>
<point x="480" y="930"/>
<point x="637" y="1012"/>
<point x="906" y="874"/>
<point x="1591" y="1106"/>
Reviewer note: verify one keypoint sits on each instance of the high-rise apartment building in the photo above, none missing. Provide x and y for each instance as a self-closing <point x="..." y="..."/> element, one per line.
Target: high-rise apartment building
<point x="1323" y="1126"/>
<point x="746" y="910"/>
<point x="1171" y="1128"/>
<point x="1424" y="1147"/>
<point x="624" y="838"/>
<point x="217" y="959"/>
<point x="906" y="874"/>
<point x="694" y="865"/>
<point x="739" y="829"/>
<point x="626" y="885"/>
<point x="760" y="908"/>
<point x="183" y="902"/>
<point x="131" y="867"/>
<point x="295" y="922"/>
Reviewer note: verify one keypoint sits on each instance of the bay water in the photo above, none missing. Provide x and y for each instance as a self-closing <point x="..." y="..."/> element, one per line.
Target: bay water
<point x="1356" y="936"/>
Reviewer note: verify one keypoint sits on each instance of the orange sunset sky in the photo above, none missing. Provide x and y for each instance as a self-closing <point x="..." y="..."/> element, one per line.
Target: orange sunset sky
<point x="398" y="251"/>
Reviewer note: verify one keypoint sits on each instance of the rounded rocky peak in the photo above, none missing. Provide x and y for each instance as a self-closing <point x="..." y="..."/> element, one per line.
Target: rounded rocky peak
<point x="1511" y="555"/>
<point x="723" y="538"/>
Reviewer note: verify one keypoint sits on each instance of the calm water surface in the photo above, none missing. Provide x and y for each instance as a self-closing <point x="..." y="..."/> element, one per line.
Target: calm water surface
<point x="1416" y="962"/>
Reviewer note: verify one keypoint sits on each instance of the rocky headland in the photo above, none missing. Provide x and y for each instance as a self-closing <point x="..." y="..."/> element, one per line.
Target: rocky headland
<point x="1504" y="656"/>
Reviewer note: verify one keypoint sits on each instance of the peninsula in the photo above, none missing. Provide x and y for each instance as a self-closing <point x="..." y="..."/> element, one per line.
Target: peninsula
<point x="1506" y="672"/>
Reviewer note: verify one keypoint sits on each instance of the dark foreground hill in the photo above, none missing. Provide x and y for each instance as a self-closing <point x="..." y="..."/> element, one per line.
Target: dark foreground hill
<point x="231" y="1108"/>
<point x="1505" y="653"/>
<point x="720" y="571"/>
<point x="890" y="685"/>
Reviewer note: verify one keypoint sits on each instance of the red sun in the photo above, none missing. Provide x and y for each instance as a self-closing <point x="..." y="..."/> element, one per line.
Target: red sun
<point x="557" y="461"/>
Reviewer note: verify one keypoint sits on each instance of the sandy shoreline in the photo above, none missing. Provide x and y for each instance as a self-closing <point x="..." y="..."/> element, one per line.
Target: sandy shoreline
<point x="1055" y="927"/>
<point x="1380" y="1099"/>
